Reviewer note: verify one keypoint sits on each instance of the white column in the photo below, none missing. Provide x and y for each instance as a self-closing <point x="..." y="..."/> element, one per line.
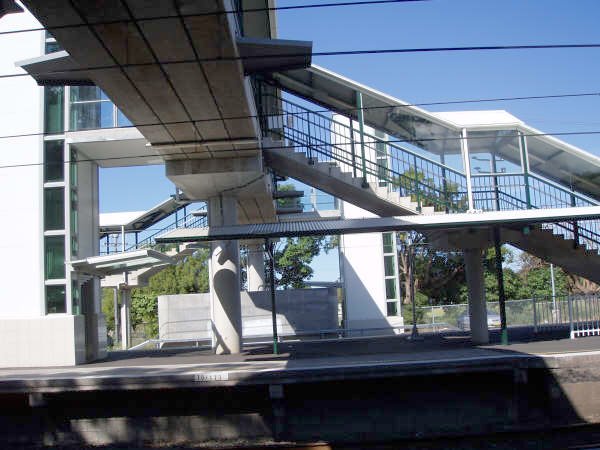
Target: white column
<point x="477" y="306"/>
<point x="256" y="267"/>
<point x="225" y="280"/>
<point x="125" y="317"/>
<point x="464" y="149"/>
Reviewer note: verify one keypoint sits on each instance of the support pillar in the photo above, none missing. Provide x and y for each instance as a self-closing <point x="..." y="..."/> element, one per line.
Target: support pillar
<point x="225" y="279"/>
<point x="476" y="286"/>
<point x="125" y="316"/>
<point x="116" y="314"/>
<point x="256" y="267"/>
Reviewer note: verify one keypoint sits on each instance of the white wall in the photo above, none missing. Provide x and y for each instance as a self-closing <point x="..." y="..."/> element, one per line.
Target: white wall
<point x="21" y="227"/>
<point x="363" y="274"/>
<point x="55" y="340"/>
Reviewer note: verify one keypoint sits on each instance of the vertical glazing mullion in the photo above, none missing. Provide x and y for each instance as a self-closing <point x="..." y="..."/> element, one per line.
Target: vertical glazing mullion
<point x="361" y="125"/>
<point x="352" y="148"/>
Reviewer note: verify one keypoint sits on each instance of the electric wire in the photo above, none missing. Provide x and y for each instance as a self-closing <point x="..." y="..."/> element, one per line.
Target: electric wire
<point x="322" y="111"/>
<point x="317" y="54"/>
<point x="219" y="13"/>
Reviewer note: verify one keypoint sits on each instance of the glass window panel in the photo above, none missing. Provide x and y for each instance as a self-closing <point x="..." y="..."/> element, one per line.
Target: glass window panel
<point x="53" y="161"/>
<point x="122" y="121"/>
<point x="388" y="243"/>
<point x="73" y="168"/>
<point x="52" y="47"/>
<point x="392" y="308"/>
<point x="76" y="297"/>
<point x="494" y="152"/>
<point x="56" y="299"/>
<point x="390" y="265"/>
<point x="54" y="209"/>
<point x="86" y="116"/>
<point x="390" y="289"/>
<point x="86" y="93"/>
<point x="54" y="257"/>
<point x="54" y="109"/>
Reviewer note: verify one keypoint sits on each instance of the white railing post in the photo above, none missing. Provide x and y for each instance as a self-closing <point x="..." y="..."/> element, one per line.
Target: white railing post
<point x="570" y="305"/>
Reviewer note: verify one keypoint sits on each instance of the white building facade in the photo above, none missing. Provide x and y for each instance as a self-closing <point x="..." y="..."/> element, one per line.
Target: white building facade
<point x="49" y="315"/>
<point x="369" y="262"/>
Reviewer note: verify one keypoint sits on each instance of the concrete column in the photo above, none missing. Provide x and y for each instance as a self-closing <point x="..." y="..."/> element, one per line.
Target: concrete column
<point x="476" y="286"/>
<point x="225" y="279"/>
<point x="125" y="317"/>
<point x="256" y="268"/>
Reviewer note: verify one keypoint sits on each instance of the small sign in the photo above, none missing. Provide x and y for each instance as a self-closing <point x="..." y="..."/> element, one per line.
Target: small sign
<point x="207" y="377"/>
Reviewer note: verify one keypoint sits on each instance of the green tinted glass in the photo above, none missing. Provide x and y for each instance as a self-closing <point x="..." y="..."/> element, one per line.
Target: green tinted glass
<point x="53" y="161"/>
<point x="392" y="308"/>
<point x="54" y="260"/>
<point x="54" y="109"/>
<point x="390" y="288"/>
<point x="54" y="209"/>
<point x="56" y="299"/>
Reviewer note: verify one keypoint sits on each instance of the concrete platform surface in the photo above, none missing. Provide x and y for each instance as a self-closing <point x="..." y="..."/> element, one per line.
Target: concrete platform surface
<point x="302" y="362"/>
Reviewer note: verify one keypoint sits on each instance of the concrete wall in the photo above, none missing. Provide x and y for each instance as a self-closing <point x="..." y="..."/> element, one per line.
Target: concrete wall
<point x="54" y="340"/>
<point x="187" y="316"/>
<point x="21" y="241"/>
<point x="363" y="275"/>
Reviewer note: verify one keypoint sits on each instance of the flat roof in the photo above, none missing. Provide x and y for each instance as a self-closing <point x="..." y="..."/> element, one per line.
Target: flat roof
<point x="120" y="262"/>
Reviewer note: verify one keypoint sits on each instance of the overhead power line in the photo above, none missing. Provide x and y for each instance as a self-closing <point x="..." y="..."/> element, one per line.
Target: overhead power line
<point x="328" y="53"/>
<point x="301" y="146"/>
<point x="365" y="108"/>
<point x="217" y="13"/>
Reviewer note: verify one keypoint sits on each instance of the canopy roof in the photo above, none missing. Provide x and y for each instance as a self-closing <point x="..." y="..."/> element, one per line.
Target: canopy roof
<point x="440" y="132"/>
<point x="379" y="224"/>
<point x="139" y="220"/>
<point x="120" y="262"/>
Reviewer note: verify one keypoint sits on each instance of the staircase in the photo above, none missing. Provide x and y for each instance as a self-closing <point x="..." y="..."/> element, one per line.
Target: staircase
<point x="389" y="180"/>
<point x="327" y="176"/>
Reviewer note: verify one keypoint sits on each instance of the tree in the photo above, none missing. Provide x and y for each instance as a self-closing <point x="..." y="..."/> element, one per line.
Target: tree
<point x="292" y="263"/>
<point x="438" y="275"/>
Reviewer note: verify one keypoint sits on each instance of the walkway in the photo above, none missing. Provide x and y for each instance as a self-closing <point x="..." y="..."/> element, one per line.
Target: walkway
<point x="303" y="362"/>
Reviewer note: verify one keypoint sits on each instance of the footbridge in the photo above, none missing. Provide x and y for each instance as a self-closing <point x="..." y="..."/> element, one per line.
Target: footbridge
<point x="257" y="106"/>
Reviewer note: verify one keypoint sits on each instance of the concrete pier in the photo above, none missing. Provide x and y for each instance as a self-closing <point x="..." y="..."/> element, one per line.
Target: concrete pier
<point x="476" y="286"/>
<point x="256" y="267"/>
<point x="225" y="279"/>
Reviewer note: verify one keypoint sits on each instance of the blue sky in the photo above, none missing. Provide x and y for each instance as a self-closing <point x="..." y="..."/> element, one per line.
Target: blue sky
<point x="432" y="77"/>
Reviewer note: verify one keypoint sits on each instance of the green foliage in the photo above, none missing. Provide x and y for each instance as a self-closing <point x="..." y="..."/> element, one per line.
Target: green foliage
<point x="290" y="202"/>
<point x="538" y="282"/>
<point x="431" y="192"/>
<point x="108" y="309"/>
<point x="292" y="263"/>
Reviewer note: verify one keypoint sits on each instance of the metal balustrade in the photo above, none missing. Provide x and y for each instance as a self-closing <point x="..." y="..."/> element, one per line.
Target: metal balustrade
<point x="428" y="182"/>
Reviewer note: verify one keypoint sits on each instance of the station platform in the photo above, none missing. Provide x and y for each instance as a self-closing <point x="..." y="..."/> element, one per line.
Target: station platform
<point x="301" y="362"/>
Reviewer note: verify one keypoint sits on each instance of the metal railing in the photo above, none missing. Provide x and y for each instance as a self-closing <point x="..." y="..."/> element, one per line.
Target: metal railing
<point x="190" y="221"/>
<point x="580" y="313"/>
<point x="426" y="181"/>
<point x="374" y="159"/>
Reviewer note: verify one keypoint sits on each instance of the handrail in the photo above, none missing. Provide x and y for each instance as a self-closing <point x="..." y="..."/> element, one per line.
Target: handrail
<point x="426" y="180"/>
<point x="188" y="221"/>
<point x="429" y="180"/>
<point x="376" y="139"/>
